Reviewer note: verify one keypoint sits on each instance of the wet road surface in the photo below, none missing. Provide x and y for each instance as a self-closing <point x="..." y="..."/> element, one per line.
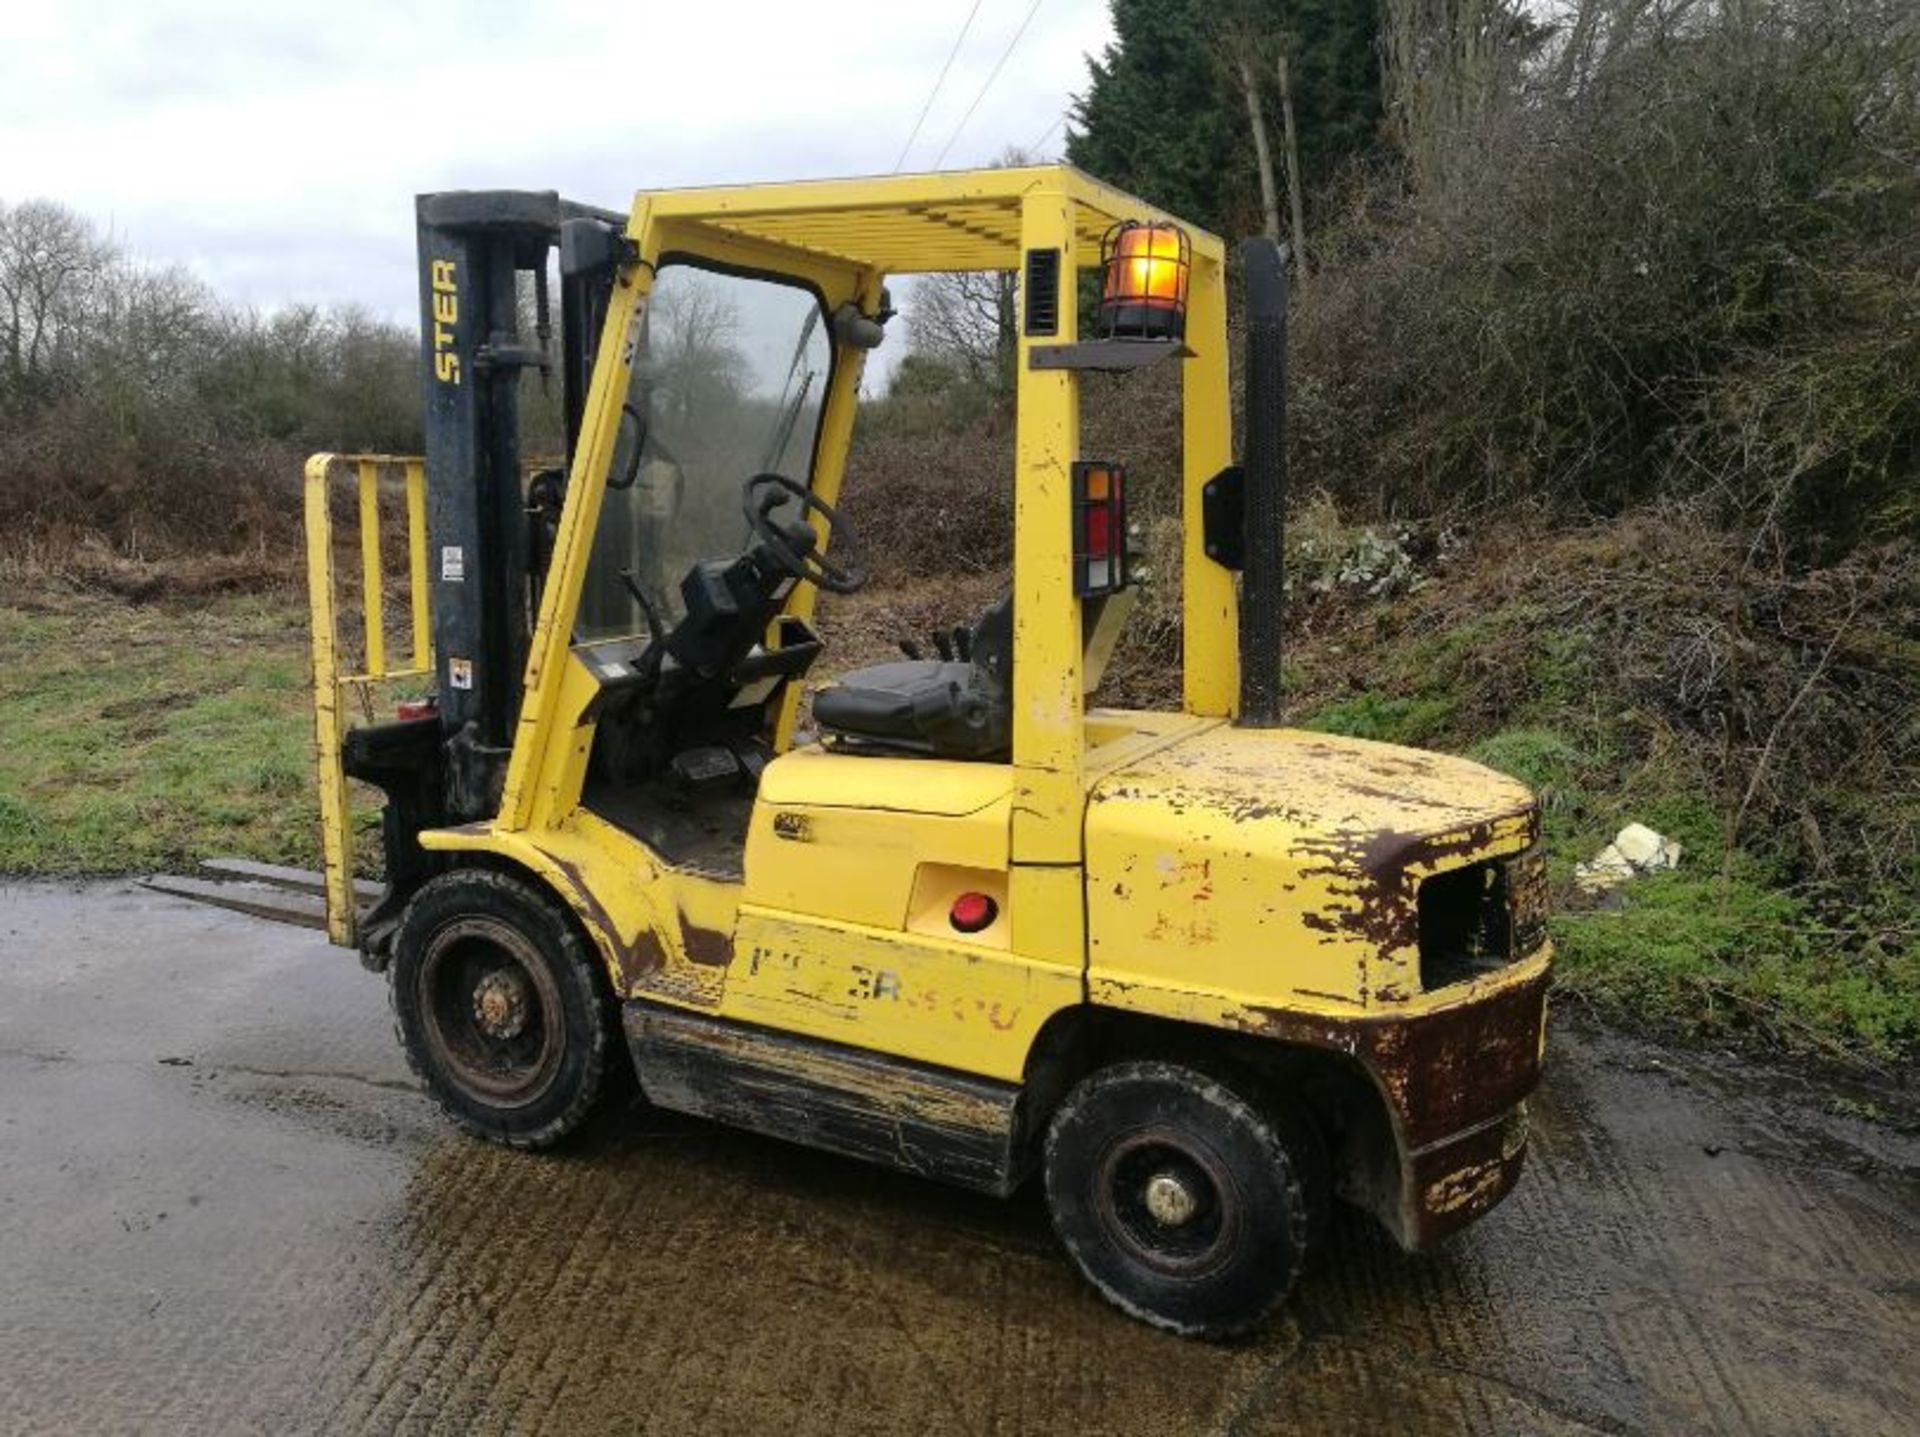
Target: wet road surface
<point x="225" y="1207"/>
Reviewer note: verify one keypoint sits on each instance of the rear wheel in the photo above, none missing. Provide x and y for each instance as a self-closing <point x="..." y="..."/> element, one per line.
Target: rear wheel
<point x="502" y="1009"/>
<point x="1183" y="1201"/>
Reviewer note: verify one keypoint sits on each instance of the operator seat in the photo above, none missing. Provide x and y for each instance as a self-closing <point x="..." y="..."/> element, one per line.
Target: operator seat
<point x="948" y="708"/>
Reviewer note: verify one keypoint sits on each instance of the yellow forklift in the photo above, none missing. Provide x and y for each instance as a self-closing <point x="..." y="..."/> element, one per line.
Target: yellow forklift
<point x="1199" y="972"/>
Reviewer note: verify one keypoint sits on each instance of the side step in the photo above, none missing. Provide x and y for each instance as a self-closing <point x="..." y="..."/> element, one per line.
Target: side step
<point x="262" y="890"/>
<point x="912" y="1116"/>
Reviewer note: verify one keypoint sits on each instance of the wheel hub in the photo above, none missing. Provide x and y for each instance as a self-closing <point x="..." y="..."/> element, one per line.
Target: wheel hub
<point x="1171" y="1200"/>
<point x="500" y="1004"/>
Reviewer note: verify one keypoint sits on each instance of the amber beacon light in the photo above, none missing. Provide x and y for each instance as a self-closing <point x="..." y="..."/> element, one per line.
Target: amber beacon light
<point x="1145" y="268"/>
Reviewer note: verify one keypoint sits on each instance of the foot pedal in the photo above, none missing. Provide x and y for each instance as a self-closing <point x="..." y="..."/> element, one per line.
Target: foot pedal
<point x="709" y="766"/>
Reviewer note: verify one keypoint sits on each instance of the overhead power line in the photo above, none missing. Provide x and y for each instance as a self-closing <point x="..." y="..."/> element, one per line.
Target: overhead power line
<point x="1038" y="145"/>
<point x="993" y="75"/>
<point x="958" y="41"/>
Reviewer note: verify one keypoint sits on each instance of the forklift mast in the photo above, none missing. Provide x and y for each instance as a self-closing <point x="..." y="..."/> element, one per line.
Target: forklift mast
<point x="484" y="542"/>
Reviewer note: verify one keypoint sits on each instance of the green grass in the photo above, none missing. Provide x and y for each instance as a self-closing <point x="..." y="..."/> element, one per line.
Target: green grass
<point x="1701" y="950"/>
<point x="142" y="737"/>
<point x="1737" y="956"/>
<point x="1390" y="720"/>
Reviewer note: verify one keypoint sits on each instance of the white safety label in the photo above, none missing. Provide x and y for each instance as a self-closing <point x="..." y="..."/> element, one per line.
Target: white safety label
<point x="460" y="673"/>
<point x="453" y="564"/>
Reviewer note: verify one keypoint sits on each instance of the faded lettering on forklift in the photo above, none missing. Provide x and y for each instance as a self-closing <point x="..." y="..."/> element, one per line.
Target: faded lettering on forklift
<point x="446" y="314"/>
<point x="1192" y="971"/>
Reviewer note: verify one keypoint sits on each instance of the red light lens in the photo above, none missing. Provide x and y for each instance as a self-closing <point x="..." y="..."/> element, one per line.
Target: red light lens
<point x="972" y="912"/>
<point x="1099" y="533"/>
<point x="416" y="708"/>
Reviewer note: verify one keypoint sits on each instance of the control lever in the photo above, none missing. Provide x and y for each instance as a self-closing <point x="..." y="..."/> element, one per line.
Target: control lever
<point x="656" y="641"/>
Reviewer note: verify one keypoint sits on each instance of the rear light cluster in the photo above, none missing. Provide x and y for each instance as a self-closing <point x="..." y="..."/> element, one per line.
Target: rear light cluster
<point x="1480" y="918"/>
<point x="1099" y="529"/>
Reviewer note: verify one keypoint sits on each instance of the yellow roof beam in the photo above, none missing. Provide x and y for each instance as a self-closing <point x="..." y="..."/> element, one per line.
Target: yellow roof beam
<point x="953" y="220"/>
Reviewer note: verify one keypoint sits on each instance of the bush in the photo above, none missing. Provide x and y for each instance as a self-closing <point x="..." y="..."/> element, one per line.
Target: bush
<point x="141" y="418"/>
<point x="1666" y="249"/>
<point x="929" y="483"/>
<point x="142" y="479"/>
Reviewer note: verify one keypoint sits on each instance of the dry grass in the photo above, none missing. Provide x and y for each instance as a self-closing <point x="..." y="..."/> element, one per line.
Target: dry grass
<point x="90" y="564"/>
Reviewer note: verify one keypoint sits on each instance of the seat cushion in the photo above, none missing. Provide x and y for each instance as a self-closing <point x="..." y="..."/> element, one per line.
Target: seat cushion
<point x="884" y="701"/>
<point x="926" y="705"/>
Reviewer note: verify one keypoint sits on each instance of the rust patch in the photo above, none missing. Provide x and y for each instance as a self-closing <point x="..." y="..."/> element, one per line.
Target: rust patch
<point x="649" y="953"/>
<point x="1362" y="817"/>
<point x="1449" y="1186"/>
<point x="705" y="946"/>
<point x="680" y="982"/>
<point x="645" y="955"/>
<point x="1450" y="1078"/>
<point x="1446" y="1071"/>
<point x="1527" y="896"/>
<point x="1442" y="1071"/>
<point x="1470" y="1185"/>
<point x="596" y="916"/>
<point x="1384" y="913"/>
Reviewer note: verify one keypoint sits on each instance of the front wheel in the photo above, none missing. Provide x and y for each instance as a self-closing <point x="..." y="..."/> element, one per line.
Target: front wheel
<point x="1182" y="1201"/>
<point x="501" y="1007"/>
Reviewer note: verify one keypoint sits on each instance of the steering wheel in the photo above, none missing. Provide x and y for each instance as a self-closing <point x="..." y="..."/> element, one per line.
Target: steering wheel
<point x="844" y="574"/>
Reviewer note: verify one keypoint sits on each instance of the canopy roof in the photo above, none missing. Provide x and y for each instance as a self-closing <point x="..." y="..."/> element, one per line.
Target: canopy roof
<point x="903" y="224"/>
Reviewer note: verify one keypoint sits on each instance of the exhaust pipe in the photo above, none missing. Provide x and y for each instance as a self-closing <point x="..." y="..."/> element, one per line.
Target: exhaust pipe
<point x="1264" y="464"/>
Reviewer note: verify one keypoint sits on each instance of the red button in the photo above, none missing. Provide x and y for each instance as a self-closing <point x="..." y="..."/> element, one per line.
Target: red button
<point x="973" y="912"/>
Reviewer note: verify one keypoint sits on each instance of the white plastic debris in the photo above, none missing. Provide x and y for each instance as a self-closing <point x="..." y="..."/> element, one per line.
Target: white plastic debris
<point x="1635" y="849"/>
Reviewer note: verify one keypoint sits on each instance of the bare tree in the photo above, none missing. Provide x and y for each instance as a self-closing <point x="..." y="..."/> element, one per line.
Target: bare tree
<point x="1296" y="189"/>
<point x="693" y="346"/>
<point x="1257" y="120"/>
<point x="1449" y="64"/>
<point x="1243" y="39"/>
<point x="148" y="330"/>
<point x="966" y="322"/>
<point x="50" y="261"/>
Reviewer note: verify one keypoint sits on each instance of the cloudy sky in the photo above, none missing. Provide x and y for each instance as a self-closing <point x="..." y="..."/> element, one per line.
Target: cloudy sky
<point x="274" y="146"/>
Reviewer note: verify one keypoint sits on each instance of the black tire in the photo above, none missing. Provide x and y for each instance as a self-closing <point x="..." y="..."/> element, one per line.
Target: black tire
<point x="503" y="1010"/>
<point x="1188" y="1205"/>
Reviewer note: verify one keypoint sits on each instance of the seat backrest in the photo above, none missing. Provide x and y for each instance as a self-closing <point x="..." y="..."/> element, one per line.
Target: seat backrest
<point x="993" y="645"/>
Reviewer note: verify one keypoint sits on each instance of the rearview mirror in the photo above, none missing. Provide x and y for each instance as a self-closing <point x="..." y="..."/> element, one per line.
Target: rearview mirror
<point x="856" y="330"/>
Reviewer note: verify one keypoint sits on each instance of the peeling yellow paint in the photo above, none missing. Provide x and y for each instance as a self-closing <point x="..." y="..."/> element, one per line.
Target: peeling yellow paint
<point x="1283" y="864"/>
<point x="1465" y="1188"/>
